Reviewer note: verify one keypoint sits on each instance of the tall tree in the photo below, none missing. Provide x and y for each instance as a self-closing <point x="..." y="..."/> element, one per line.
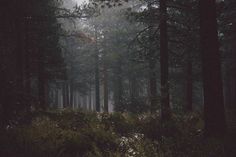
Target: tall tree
<point x="118" y="86"/>
<point x="214" y="113"/>
<point x="105" y="87"/>
<point x="97" y="73"/>
<point x="189" y="83"/>
<point x="164" y="63"/>
<point x="152" y="60"/>
<point x="230" y="66"/>
<point x="29" y="52"/>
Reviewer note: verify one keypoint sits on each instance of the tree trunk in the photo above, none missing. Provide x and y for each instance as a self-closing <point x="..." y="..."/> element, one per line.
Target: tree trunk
<point x="71" y="95"/>
<point x="27" y="68"/>
<point x="105" y="86"/>
<point x="65" y="94"/>
<point x="189" y="85"/>
<point x="118" y="87"/>
<point x="41" y="82"/>
<point x="133" y="88"/>
<point x="97" y="84"/>
<point x="56" y="105"/>
<point x="90" y="95"/>
<point x="230" y="68"/>
<point x="165" y="102"/>
<point x="214" y="112"/>
<point x="19" y="51"/>
<point x="152" y="64"/>
<point x="152" y="85"/>
<point x="97" y="76"/>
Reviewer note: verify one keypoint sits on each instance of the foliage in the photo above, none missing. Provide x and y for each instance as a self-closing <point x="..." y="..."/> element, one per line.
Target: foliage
<point x="79" y="134"/>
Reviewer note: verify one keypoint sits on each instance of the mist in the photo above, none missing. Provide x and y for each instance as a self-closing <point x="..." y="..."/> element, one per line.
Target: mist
<point x="130" y="78"/>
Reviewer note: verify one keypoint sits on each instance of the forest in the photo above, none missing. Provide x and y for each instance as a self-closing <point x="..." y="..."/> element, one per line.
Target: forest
<point x="118" y="78"/>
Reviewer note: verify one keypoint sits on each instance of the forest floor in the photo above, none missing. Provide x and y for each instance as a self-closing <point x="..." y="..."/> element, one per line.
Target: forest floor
<point x="86" y="134"/>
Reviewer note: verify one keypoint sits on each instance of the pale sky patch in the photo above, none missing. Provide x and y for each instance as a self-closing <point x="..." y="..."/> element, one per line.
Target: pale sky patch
<point x="79" y="2"/>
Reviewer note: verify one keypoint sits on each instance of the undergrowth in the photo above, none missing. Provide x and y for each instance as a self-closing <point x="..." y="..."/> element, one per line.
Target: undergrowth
<point x="82" y="134"/>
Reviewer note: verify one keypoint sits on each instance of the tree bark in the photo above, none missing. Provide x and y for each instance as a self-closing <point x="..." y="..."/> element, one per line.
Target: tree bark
<point x="133" y="88"/>
<point x="152" y="85"/>
<point x="118" y="87"/>
<point x="97" y="75"/>
<point x="189" y="85"/>
<point x="105" y="86"/>
<point x="71" y="94"/>
<point x="65" y="95"/>
<point x="164" y="59"/>
<point x="27" y="67"/>
<point x="230" y="68"/>
<point x="56" y="105"/>
<point x="19" y="51"/>
<point x="214" y="112"/>
<point x="152" y="64"/>
<point x="90" y="95"/>
<point x="41" y="81"/>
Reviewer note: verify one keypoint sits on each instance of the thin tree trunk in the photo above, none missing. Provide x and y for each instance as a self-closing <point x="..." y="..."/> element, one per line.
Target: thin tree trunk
<point x="97" y="75"/>
<point x="97" y="84"/>
<point x="90" y="95"/>
<point x="214" y="112"/>
<point x="71" y="94"/>
<point x="56" y="105"/>
<point x="27" y="68"/>
<point x="152" y="65"/>
<point x="20" y="59"/>
<point x="164" y="59"/>
<point x="189" y="86"/>
<point x="118" y="88"/>
<point x="134" y="93"/>
<point x="41" y="82"/>
<point x="153" y="85"/>
<point x="65" y="94"/>
<point x="105" y="86"/>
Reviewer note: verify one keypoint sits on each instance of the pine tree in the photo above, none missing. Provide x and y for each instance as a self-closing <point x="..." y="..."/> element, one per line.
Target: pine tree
<point x="214" y="113"/>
